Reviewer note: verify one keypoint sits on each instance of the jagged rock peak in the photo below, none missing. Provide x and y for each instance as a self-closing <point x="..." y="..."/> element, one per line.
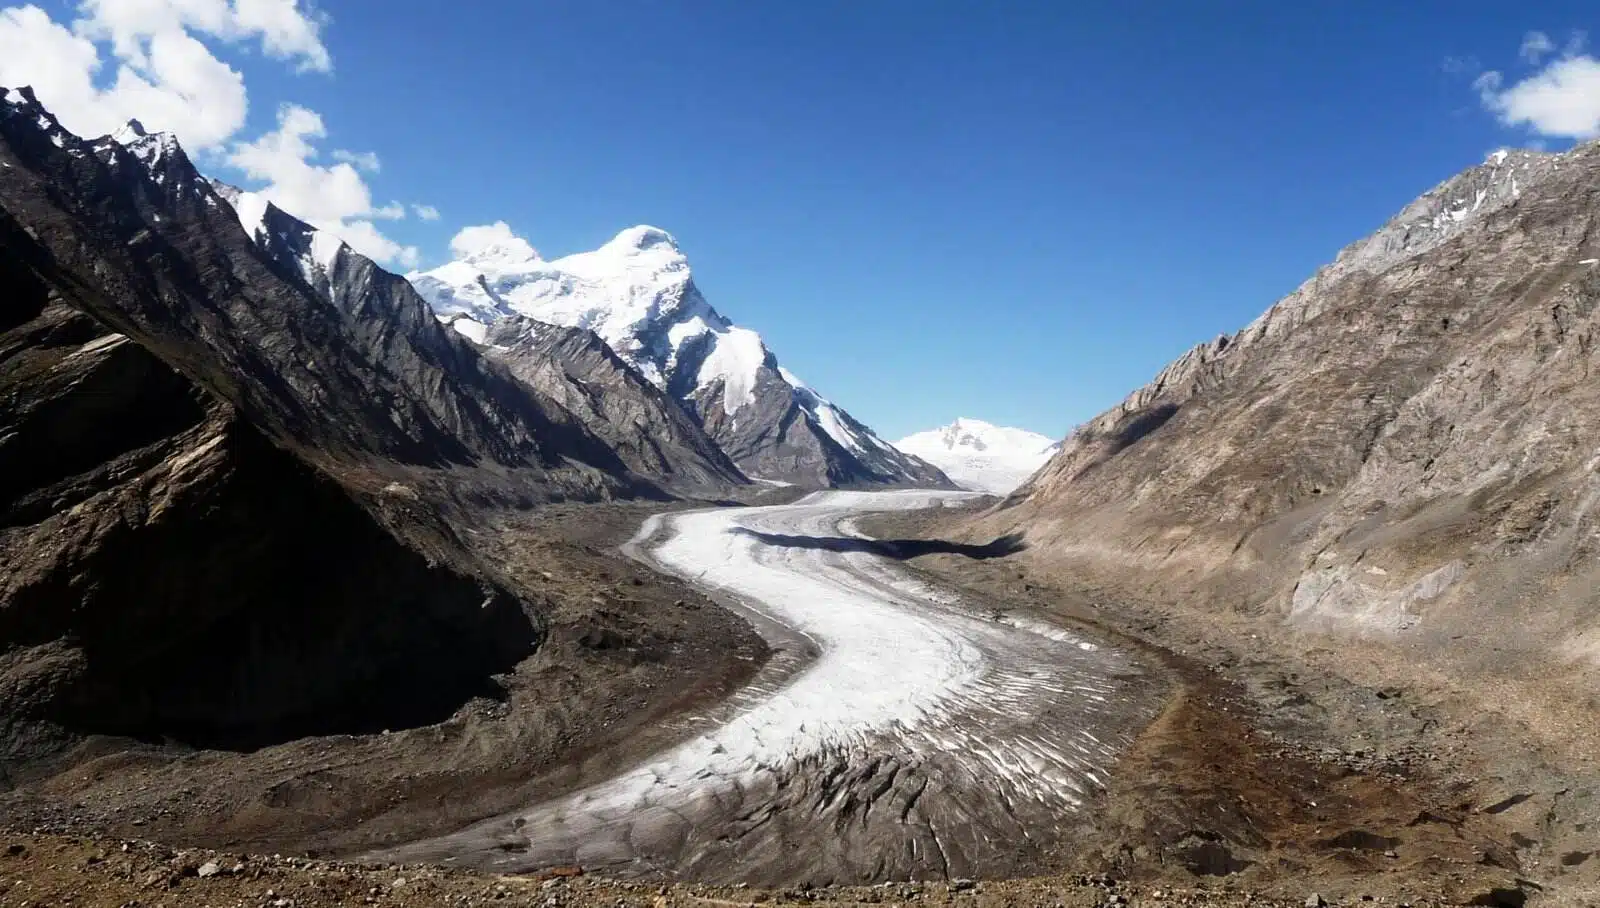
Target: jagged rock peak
<point x="132" y="130"/>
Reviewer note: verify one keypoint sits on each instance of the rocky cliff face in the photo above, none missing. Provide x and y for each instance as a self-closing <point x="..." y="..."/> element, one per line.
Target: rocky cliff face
<point x="170" y="573"/>
<point x="361" y="370"/>
<point x="637" y="294"/>
<point x="647" y="429"/>
<point x="1403" y="447"/>
<point x="681" y="457"/>
<point x="221" y="478"/>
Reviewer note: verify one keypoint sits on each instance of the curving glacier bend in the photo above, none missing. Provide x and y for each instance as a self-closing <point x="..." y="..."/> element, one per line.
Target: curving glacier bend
<point x="897" y="733"/>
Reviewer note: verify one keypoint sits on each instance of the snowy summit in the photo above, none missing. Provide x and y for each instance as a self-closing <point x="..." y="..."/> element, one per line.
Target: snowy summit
<point x="980" y="456"/>
<point x="638" y="294"/>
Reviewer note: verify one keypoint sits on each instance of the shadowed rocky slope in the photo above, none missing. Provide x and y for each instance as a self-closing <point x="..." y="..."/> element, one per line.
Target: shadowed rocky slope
<point x="650" y="432"/>
<point x="222" y="492"/>
<point x="601" y="393"/>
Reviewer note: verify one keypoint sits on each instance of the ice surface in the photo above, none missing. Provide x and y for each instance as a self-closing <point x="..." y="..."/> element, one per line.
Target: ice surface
<point x="470" y="329"/>
<point x="1013" y="715"/>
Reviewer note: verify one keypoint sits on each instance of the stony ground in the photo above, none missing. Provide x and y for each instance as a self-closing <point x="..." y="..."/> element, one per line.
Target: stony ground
<point x="1265" y="781"/>
<point x="1346" y="768"/>
<point x="49" y="871"/>
<point x="628" y="650"/>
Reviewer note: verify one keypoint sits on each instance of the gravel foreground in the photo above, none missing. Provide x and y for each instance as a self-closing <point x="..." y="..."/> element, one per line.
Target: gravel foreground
<point x="47" y="871"/>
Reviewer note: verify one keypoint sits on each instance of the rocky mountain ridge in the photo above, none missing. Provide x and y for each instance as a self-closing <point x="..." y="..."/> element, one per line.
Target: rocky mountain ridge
<point x="649" y="433"/>
<point x="225" y="517"/>
<point x="1432" y="219"/>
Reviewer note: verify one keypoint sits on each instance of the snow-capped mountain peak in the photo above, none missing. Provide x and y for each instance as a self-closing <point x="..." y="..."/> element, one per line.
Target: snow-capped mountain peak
<point x="130" y="131"/>
<point x="637" y="292"/>
<point x="981" y="456"/>
<point x="149" y="147"/>
<point x="643" y="238"/>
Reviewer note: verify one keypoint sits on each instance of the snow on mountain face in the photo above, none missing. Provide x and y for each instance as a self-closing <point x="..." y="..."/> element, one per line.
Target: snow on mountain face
<point x="148" y="147"/>
<point x="835" y="422"/>
<point x="980" y="456"/>
<point x="620" y="291"/>
<point x="638" y="294"/>
<point x="316" y="252"/>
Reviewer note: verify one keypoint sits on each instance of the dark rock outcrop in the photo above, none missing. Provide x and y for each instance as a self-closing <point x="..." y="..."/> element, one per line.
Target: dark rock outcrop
<point x="170" y="573"/>
<point x="648" y="430"/>
<point x="223" y="489"/>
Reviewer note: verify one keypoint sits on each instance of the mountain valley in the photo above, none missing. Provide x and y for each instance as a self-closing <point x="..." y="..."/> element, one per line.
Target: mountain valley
<point x="515" y="570"/>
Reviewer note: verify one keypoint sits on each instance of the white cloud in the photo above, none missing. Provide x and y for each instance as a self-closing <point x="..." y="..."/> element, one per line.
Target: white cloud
<point x="1561" y="100"/>
<point x="497" y="238"/>
<point x="364" y="160"/>
<point x="426" y="212"/>
<point x="1535" y="46"/>
<point x="286" y="30"/>
<point x="122" y="59"/>
<point x="149" y="59"/>
<point x="332" y="197"/>
<point x="175" y="84"/>
<point x="365" y="238"/>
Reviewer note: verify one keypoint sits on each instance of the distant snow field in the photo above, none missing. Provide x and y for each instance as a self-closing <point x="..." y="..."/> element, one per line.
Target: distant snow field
<point x="979" y="456"/>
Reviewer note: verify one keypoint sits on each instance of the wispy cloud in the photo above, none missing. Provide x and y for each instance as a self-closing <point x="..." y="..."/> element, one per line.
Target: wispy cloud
<point x="425" y="212"/>
<point x="361" y="160"/>
<point x="1535" y="46"/>
<point x="1560" y="99"/>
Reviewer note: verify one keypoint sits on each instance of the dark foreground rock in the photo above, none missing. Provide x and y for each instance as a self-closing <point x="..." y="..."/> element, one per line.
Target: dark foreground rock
<point x="239" y="508"/>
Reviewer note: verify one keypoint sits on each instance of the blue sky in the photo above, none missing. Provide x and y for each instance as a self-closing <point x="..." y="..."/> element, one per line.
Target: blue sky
<point x="1017" y="212"/>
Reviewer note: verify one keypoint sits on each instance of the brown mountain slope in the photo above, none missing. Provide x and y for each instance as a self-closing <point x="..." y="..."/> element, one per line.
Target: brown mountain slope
<point x="1378" y="502"/>
<point x="1404" y="449"/>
